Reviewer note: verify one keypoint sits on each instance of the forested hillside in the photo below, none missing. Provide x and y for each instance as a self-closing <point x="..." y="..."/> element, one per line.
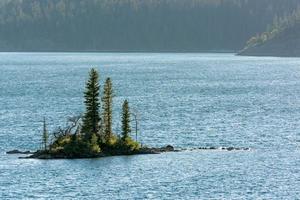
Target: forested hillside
<point x="134" y="25"/>
<point x="280" y="39"/>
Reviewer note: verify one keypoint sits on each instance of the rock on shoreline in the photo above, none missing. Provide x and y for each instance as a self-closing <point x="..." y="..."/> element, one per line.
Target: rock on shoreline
<point x="225" y="148"/>
<point x="15" y="151"/>
<point x="143" y="150"/>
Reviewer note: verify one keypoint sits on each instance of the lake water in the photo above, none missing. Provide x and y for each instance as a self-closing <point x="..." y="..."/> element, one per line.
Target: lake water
<point x="186" y="100"/>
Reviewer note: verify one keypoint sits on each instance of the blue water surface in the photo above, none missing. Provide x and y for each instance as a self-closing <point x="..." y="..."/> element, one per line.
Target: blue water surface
<point x="186" y="100"/>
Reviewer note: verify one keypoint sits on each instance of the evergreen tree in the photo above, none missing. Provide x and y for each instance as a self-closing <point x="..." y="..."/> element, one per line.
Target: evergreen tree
<point x="45" y="135"/>
<point x="107" y="109"/>
<point x="125" y="120"/>
<point x="91" y="117"/>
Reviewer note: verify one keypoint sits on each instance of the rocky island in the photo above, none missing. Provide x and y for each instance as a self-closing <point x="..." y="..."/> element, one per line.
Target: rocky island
<point x="91" y="135"/>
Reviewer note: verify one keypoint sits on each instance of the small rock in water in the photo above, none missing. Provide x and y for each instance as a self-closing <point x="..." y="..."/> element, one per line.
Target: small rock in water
<point x="15" y="151"/>
<point x="230" y="148"/>
<point x="169" y="148"/>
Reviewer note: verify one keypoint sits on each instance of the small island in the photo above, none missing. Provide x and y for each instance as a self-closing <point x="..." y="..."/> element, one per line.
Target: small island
<point x="91" y="135"/>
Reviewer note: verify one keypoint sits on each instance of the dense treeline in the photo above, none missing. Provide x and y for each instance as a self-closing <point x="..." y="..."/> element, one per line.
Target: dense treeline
<point x="282" y="38"/>
<point x="281" y="26"/>
<point x="135" y="25"/>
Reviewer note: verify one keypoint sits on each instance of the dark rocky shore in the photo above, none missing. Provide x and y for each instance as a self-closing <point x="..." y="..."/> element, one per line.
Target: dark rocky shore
<point x="15" y="151"/>
<point x="144" y="150"/>
<point x="45" y="155"/>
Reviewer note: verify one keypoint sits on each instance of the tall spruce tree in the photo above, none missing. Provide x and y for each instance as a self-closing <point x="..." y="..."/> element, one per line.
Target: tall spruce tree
<point x="125" y="120"/>
<point x="91" y="117"/>
<point x="45" y="135"/>
<point x="107" y="109"/>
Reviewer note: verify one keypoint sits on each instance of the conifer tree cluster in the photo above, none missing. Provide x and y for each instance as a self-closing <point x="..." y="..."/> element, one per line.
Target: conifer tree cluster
<point x="96" y="132"/>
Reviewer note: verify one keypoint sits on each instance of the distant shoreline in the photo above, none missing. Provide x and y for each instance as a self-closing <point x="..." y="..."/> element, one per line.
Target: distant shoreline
<point x="107" y="51"/>
<point x="235" y="53"/>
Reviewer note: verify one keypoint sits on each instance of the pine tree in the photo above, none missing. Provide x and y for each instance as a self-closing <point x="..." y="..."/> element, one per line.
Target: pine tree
<point x="125" y="120"/>
<point x="91" y="117"/>
<point x="107" y="109"/>
<point x="45" y="135"/>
